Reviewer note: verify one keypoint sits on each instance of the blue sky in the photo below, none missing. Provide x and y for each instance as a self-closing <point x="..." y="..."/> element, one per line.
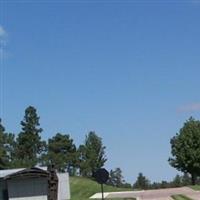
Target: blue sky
<point x="127" y="69"/>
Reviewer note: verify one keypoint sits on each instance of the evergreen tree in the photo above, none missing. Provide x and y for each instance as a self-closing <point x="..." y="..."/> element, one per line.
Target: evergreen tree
<point x="116" y="178"/>
<point x="164" y="184"/>
<point x="186" y="179"/>
<point x="177" y="182"/>
<point x="62" y="153"/>
<point x="91" y="155"/>
<point x="142" y="182"/>
<point x="3" y="154"/>
<point x="29" y="145"/>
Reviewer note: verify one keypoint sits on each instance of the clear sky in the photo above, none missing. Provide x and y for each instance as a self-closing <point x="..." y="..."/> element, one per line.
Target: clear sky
<point x="127" y="69"/>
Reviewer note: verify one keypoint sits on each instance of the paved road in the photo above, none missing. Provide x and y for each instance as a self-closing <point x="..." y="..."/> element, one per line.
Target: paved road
<point x="161" y="194"/>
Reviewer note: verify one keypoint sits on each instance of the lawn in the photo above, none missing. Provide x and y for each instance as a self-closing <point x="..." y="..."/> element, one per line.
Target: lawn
<point x="195" y="187"/>
<point x="83" y="188"/>
<point x="180" y="197"/>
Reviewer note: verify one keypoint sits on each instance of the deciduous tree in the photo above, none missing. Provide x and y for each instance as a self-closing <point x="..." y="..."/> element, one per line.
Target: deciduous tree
<point x="185" y="149"/>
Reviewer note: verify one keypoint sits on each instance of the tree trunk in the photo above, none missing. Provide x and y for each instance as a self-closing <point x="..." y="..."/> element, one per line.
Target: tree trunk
<point x="193" y="178"/>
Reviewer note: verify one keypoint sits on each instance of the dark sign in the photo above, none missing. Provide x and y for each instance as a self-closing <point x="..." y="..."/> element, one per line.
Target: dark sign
<point x="101" y="175"/>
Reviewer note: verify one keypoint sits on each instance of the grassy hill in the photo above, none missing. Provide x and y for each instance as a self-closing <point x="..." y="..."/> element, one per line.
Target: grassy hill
<point x="83" y="188"/>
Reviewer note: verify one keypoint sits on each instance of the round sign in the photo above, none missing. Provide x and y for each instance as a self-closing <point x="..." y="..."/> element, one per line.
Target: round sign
<point x="101" y="175"/>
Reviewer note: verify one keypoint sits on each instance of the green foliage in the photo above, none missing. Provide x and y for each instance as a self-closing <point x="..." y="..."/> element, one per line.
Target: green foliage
<point x="83" y="188"/>
<point x="195" y="187"/>
<point x="7" y="144"/>
<point x="180" y="197"/>
<point x="29" y="144"/>
<point x="3" y="154"/>
<point x="142" y="182"/>
<point x="10" y="145"/>
<point x="177" y="182"/>
<point x="91" y="155"/>
<point x="185" y="149"/>
<point x="62" y="153"/>
<point x="186" y="179"/>
<point x="116" y="179"/>
<point x="28" y="149"/>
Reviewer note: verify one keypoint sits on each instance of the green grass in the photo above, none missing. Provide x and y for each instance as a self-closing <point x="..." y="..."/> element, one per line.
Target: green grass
<point x="195" y="187"/>
<point x="83" y="188"/>
<point x="180" y="197"/>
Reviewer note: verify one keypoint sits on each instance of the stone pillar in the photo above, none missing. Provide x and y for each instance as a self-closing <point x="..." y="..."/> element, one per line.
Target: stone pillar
<point x="52" y="184"/>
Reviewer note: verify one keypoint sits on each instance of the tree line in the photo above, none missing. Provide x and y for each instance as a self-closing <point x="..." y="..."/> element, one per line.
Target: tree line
<point x="185" y="150"/>
<point x="144" y="183"/>
<point x="28" y="149"/>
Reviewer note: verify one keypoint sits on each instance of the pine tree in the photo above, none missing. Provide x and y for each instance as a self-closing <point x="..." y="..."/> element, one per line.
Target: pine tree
<point x="3" y="154"/>
<point x="29" y="144"/>
<point x="186" y="179"/>
<point x="91" y="154"/>
<point x="116" y="178"/>
<point x="62" y="153"/>
<point x="142" y="182"/>
<point x="177" y="181"/>
<point x="7" y="145"/>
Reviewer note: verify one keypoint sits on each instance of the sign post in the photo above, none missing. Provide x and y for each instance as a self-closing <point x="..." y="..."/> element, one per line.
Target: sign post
<point x="101" y="176"/>
<point x="102" y="191"/>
